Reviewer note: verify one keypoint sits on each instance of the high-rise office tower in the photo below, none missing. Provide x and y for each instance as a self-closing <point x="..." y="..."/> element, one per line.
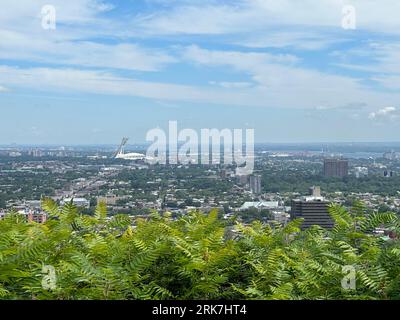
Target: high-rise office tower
<point x="313" y="209"/>
<point x="336" y="168"/>
<point x="255" y="184"/>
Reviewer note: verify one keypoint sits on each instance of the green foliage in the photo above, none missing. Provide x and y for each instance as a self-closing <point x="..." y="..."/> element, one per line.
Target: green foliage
<point x="97" y="257"/>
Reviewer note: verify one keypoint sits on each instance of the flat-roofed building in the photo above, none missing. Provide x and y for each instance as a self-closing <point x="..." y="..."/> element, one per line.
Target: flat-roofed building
<point x="79" y="202"/>
<point x="338" y="168"/>
<point x="255" y="184"/>
<point x="259" y="205"/>
<point x="313" y="209"/>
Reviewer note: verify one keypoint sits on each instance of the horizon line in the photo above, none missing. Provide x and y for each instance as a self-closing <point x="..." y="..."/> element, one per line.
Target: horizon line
<point x="148" y="143"/>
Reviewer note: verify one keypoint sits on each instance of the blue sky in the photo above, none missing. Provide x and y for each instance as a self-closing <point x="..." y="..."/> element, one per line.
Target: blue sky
<point x="120" y="68"/>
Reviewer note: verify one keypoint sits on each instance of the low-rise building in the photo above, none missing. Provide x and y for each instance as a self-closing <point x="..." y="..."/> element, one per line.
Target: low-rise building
<point x="79" y="202"/>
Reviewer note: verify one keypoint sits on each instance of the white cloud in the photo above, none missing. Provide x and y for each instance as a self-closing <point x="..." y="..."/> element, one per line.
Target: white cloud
<point x="274" y="85"/>
<point x="256" y="15"/>
<point x="240" y="60"/>
<point x="23" y="38"/>
<point x="389" y="82"/>
<point x="190" y="19"/>
<point x="3" y="89"/>
<point x="122" y="56"/>
<point x="380" y="57"/>
<point x="59" y="49"/>
<point x="71" y="80"/>
<point x="387" y="56"/>
<point x="304" y="40"/>
<point x="280" y="81"/>
<point x="231" y="85"/>
<point x="390" y="113"/>
<point x="263" y="79"/>
<point x="26" y="12"/>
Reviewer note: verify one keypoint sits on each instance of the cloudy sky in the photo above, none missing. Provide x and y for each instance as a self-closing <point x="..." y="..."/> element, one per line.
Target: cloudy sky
<point x="286" y="68"/>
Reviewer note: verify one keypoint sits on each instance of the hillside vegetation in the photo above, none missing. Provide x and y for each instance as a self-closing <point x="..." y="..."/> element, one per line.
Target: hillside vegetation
<point x="75" y="256"/>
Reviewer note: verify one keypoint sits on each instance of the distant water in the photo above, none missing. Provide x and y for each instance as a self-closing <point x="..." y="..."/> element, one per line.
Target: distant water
<point x="362" y="155"/>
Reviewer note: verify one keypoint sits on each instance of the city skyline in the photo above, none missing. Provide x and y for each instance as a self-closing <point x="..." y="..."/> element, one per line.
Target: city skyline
<point x="290" y="71"/>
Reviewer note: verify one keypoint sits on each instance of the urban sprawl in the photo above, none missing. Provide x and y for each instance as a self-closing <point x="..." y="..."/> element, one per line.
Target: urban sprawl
<point x="285" y="184"/>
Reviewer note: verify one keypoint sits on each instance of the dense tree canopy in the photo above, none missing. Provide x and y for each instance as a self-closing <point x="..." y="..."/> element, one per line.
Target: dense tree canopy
<point x="197" y="256"/>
